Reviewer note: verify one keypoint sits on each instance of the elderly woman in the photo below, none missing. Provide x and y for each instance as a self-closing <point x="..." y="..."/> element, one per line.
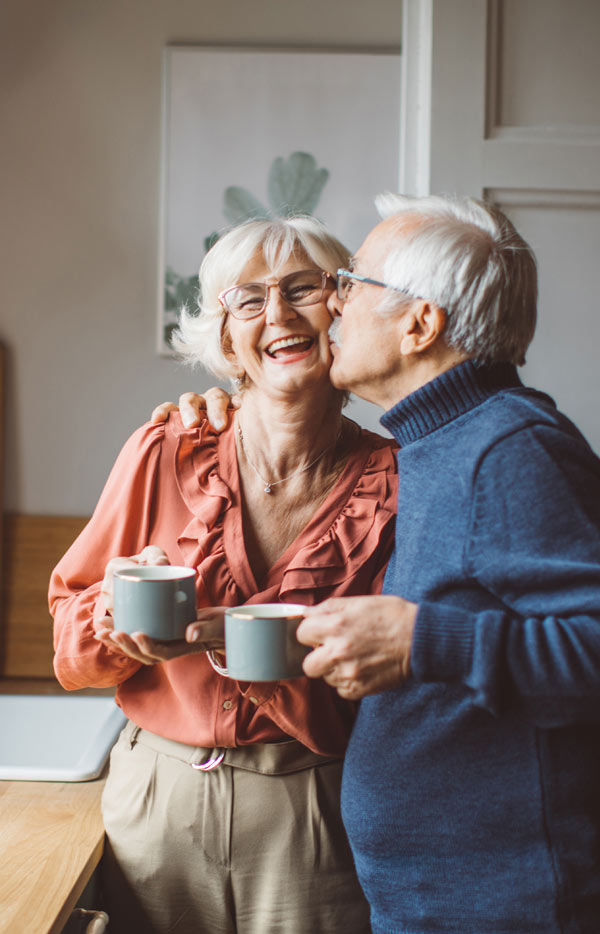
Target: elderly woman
<point x="222" y="802"/>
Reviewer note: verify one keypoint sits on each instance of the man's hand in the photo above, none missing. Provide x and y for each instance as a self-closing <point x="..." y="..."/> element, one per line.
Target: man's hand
<point x="213" y="404"/>
<point x="362" y="643"/>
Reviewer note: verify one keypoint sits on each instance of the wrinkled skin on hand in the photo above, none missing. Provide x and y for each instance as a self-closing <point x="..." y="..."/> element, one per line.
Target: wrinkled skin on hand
<point x="214" y="404"/>
<point x="362" y="644"/>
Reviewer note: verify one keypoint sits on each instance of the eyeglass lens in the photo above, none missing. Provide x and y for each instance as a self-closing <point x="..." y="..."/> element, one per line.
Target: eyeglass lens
<point x="344" y="284"/>
<point x="297" y="289"/>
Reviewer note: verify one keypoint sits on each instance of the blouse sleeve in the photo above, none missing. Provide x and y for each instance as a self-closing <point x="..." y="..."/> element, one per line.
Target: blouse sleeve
<point x="118" y="527"/>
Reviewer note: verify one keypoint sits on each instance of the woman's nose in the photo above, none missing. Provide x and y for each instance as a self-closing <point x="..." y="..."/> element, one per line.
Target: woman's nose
<point x="278" y="309"/>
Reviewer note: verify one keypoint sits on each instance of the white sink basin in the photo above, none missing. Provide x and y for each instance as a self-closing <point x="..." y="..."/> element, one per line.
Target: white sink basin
<point x="56" y="738"/>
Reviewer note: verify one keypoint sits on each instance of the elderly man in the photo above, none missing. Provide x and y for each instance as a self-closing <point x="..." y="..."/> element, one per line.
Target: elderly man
<point x="471" y="788"/>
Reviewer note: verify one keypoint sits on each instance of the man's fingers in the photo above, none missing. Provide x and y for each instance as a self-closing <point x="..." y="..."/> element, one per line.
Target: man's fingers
<point x="217" y="405"/>
<point x="161" y="412"/>
<point x="317" y="663"/>
<point x="332" y="605"/>
<point x="315" y="629"/>
<point x="192" y="408"/>
<point x="344" y="676"/>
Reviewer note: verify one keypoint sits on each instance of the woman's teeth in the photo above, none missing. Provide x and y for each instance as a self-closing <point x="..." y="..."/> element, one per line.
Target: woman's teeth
<point x="286" y="342"/>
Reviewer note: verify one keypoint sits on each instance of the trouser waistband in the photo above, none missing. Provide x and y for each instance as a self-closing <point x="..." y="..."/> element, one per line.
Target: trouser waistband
<point x="265" y="758"/>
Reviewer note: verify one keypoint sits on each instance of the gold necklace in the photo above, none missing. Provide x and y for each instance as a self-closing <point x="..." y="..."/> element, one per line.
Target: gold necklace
<point x="268" y="484"/>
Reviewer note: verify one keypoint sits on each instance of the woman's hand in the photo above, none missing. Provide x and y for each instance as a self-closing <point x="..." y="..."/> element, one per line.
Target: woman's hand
<point x="207" y="632"/>
<point x="213" y="405"/>
<point x="151" y="555"/>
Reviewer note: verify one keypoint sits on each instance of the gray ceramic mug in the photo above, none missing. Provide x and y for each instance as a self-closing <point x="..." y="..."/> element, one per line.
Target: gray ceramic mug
<point x="261" y="644"/>
<point x="158" y="600"/>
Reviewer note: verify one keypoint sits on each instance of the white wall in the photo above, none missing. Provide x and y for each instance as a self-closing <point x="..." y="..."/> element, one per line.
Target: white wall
<point x="80" y="115"/>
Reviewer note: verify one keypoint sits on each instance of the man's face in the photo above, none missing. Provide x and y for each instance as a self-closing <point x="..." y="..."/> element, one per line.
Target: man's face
<point x="366" y="355"/>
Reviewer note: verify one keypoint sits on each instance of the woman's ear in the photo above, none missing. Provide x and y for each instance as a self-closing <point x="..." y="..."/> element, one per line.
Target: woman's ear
<point x="227" y="344"/>
<point x="422" y="325"/>
<point x="238" y="374"/>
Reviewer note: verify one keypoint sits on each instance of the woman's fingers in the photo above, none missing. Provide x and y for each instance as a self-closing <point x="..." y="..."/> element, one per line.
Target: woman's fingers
<point x="151" y="554"/>
<point x="125" y="644"/>
<point x="141" y="648"/>
<point x="103" y="625"/>
<point x="208" y="632"/>
<point x="106" y="588"/>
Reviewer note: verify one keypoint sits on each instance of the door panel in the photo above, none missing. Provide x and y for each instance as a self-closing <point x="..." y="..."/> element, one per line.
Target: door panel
<point x="500" y="100"/>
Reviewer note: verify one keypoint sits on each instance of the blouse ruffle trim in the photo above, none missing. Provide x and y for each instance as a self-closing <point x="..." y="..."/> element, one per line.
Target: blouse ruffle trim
<point x="352" y="537"/>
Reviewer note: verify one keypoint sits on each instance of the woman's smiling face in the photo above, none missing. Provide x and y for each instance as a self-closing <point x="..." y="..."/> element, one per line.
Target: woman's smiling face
<point x="284" y="349"/>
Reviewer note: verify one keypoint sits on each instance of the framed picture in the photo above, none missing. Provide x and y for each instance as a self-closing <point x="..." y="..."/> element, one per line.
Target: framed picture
<point x="254" y="133"/>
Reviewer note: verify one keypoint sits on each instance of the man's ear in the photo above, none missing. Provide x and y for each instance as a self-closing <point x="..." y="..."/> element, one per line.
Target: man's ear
<point x="420" y="327"/>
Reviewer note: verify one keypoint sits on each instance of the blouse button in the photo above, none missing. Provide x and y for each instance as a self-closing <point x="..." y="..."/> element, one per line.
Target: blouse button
<point x="227" y="705"/>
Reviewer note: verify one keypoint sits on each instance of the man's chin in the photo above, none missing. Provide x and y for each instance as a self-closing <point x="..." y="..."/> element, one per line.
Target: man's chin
<point x="335" y="374"/>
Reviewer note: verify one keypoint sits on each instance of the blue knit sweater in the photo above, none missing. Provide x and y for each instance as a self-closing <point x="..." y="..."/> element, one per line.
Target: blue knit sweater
<point x="471" y="793"/>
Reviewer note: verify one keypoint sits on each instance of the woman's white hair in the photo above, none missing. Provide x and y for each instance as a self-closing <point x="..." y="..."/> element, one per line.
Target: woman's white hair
<point x="199" y="337"/>
<point x="466" y="256"/>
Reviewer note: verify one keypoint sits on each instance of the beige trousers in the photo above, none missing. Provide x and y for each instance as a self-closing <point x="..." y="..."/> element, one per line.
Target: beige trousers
<point x="254" y="846"/>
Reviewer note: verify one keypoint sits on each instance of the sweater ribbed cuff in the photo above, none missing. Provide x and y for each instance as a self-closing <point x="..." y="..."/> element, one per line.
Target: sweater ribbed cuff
<point x="442" y="648"/>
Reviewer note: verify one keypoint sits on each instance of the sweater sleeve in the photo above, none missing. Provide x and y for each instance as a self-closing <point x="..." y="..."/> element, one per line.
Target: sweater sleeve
<point x="529" y="637"/>
<point x="118" y="527"/>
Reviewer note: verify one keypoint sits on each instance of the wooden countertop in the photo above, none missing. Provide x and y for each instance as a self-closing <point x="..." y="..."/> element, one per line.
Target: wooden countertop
<point x="51" y="840"/>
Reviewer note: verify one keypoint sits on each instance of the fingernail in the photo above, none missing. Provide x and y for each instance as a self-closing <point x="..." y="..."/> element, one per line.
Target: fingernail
<point x="194" y="635"/>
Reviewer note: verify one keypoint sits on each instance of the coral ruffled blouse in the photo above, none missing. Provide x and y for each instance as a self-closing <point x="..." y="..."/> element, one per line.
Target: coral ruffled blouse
<point x="180" y="489"/>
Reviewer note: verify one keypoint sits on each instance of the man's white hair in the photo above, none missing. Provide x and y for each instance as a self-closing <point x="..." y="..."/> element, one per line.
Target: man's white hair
<point x="466" y="257"/>
<point x="199" y="337"/>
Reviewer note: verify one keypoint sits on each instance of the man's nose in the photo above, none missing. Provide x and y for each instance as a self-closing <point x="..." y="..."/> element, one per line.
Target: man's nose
<point x="335" y="304"/>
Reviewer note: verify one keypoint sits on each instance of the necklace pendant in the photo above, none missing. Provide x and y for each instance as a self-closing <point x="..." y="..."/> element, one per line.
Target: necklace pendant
<point x="268" y="488"/>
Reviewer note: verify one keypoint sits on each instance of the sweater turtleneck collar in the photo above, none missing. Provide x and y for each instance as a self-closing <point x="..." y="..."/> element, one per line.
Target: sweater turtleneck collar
<point x="446" y="397"/>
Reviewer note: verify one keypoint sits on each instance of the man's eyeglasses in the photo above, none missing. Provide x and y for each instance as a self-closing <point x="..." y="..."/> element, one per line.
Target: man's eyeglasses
<point x="298" y="289"/>
<point x="345" y="281"/>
